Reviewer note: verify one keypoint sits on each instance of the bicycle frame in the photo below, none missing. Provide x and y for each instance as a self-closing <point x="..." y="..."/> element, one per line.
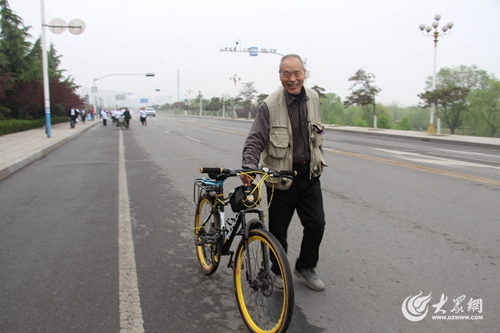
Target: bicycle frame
<point x="240" y="227"/>
<point x="262" y="309"/>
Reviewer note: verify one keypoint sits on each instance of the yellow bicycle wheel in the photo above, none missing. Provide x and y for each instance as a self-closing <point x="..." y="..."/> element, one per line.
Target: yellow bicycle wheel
<point x="206" y="227"/>
<point x="263" y="307"/>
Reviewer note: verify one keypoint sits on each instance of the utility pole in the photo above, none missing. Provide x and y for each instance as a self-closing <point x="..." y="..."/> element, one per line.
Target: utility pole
<point x="201" y="101"/>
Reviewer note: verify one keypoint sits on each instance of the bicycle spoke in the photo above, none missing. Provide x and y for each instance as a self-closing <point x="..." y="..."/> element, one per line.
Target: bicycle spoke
<point x="205" y="233"/>
<point x="264" y="307"/>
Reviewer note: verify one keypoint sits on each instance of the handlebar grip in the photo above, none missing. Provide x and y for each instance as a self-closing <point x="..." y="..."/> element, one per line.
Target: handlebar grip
<point x="211" y="170"/>
<point x="288" y="173"/>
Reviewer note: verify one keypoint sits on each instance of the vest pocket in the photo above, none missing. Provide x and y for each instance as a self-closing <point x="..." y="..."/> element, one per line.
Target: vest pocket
<point x="317" y="131"/>
<point x="279" y="140"/>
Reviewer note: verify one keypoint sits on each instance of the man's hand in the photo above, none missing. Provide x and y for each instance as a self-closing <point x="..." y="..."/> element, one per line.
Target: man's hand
<point x="247" y="179"/>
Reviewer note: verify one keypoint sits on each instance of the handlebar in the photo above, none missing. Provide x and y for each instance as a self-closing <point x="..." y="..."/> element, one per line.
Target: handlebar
<point x="236" y="172"/>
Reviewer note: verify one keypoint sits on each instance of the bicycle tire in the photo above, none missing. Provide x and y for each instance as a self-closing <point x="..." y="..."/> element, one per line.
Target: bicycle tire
<point x="208" y="254"/>
<point x="263" y="307"/>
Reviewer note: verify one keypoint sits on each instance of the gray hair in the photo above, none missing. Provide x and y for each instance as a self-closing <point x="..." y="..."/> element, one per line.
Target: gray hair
<point x="291" y="56"/>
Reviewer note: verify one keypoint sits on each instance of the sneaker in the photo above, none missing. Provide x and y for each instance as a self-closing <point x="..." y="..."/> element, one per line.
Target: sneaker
<point x="278" y="282"/>
<point x="308" y="275"/>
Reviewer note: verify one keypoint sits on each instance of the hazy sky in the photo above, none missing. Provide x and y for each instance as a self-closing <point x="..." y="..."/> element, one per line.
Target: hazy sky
<point x="336" y="37"/>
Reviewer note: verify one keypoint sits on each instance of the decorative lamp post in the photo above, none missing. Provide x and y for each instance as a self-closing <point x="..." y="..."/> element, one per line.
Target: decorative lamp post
<point x="427" y="31"/>
<point x="56" y="26"/>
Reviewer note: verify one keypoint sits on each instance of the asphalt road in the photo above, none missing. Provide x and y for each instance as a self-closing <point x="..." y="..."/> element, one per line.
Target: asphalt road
<point x="402" y="217"/>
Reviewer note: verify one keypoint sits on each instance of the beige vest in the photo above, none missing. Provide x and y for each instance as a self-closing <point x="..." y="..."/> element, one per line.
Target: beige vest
<point x="278" y="153"/>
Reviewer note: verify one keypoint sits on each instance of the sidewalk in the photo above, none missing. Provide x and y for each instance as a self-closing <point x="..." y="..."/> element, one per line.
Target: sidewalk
<point x="20" y="149"/>
<point x="17" y="150"/>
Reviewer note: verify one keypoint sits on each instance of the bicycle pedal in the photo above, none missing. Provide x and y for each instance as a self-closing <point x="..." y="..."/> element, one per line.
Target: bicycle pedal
<point x="211" y="238"/>
<point x="230" y="263"/>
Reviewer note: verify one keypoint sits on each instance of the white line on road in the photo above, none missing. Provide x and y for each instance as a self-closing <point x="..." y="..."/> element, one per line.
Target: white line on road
<point x="415" y="157"/>
<point x="190" y="138"/>
<point x="130" y="302"/>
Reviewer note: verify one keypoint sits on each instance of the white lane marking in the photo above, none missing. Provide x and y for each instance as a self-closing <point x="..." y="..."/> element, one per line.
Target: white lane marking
<point x="434" y="160"/>
<point x="190" y="138"/>
<point x="130" y="302"/>
<point x="470" y="153"/>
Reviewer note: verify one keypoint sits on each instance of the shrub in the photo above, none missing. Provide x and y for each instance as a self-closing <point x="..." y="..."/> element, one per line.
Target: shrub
<point x="405" y="124"/>
<point x="383" y="122"/>
<point x="360" y="122"/>
<point x="16" y="125"/>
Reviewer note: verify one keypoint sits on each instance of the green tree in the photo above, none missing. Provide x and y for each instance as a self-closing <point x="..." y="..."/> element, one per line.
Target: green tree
<point x="418" y="116"/>
<point x="358" y="122"/>
<point x="320" y="91"/>
<point x="469" y="77"/>
<point x="358" y="112"/>
<point x="15" y="62"/>
<point x="384" y="122"/>
<point x="247" y="94"/>
<point x="14" y="44"/>
<point x="450" y="101"/>
<point x="405" y="124"/>
<point x="21" y="88"/>
<point x="214" y="104"/>
<point x="332" y="109"/>
<point x="261" y="98"/>
<point x="483" y="116"/>
<point x="363" y="92"/>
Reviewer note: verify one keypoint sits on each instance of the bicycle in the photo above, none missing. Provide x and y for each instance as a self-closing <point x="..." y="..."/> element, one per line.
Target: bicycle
<point x="121" y="123"/>
<point x="263" y="307"/>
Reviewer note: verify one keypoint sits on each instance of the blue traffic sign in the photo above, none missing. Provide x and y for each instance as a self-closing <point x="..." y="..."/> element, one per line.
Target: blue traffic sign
<point x="254" y="51"/>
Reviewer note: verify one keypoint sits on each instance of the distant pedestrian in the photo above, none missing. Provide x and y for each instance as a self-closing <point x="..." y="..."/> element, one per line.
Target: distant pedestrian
<point x="83" y="113"/>
<point x="104" y="117"/>
<point x="127" y="116"/>
<point x="143" y="115"/>
<point x="73" y="116"/>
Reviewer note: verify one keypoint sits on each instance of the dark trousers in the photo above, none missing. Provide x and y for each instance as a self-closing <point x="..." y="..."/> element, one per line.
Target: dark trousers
<point x="305" y="197"/>
<point x="104" y="122"/>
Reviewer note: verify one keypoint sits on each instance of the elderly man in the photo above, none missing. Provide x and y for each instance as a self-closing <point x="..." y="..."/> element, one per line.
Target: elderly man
<point x="286" y="134"/>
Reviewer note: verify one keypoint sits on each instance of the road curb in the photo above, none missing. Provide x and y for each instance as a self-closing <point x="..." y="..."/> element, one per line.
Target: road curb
<point x="8" y="169"/>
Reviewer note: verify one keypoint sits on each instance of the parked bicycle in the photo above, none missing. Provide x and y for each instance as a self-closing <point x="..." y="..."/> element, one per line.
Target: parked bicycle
<point x="263" y="307"/>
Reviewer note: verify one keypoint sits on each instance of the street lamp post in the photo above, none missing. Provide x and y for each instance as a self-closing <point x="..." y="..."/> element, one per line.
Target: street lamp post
<point x="94" y="87"/>
<point x="235" y="79"/>
<point x="427" y="31"/>
<point x="56" y="26"/>
<point x="188" y="92"/>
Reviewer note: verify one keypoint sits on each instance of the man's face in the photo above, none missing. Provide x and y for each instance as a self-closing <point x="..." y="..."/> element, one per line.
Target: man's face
<point x="292" y="75"/>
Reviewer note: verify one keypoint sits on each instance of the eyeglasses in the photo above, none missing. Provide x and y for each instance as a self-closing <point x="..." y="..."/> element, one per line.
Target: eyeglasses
<point x="288" y="74"/>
